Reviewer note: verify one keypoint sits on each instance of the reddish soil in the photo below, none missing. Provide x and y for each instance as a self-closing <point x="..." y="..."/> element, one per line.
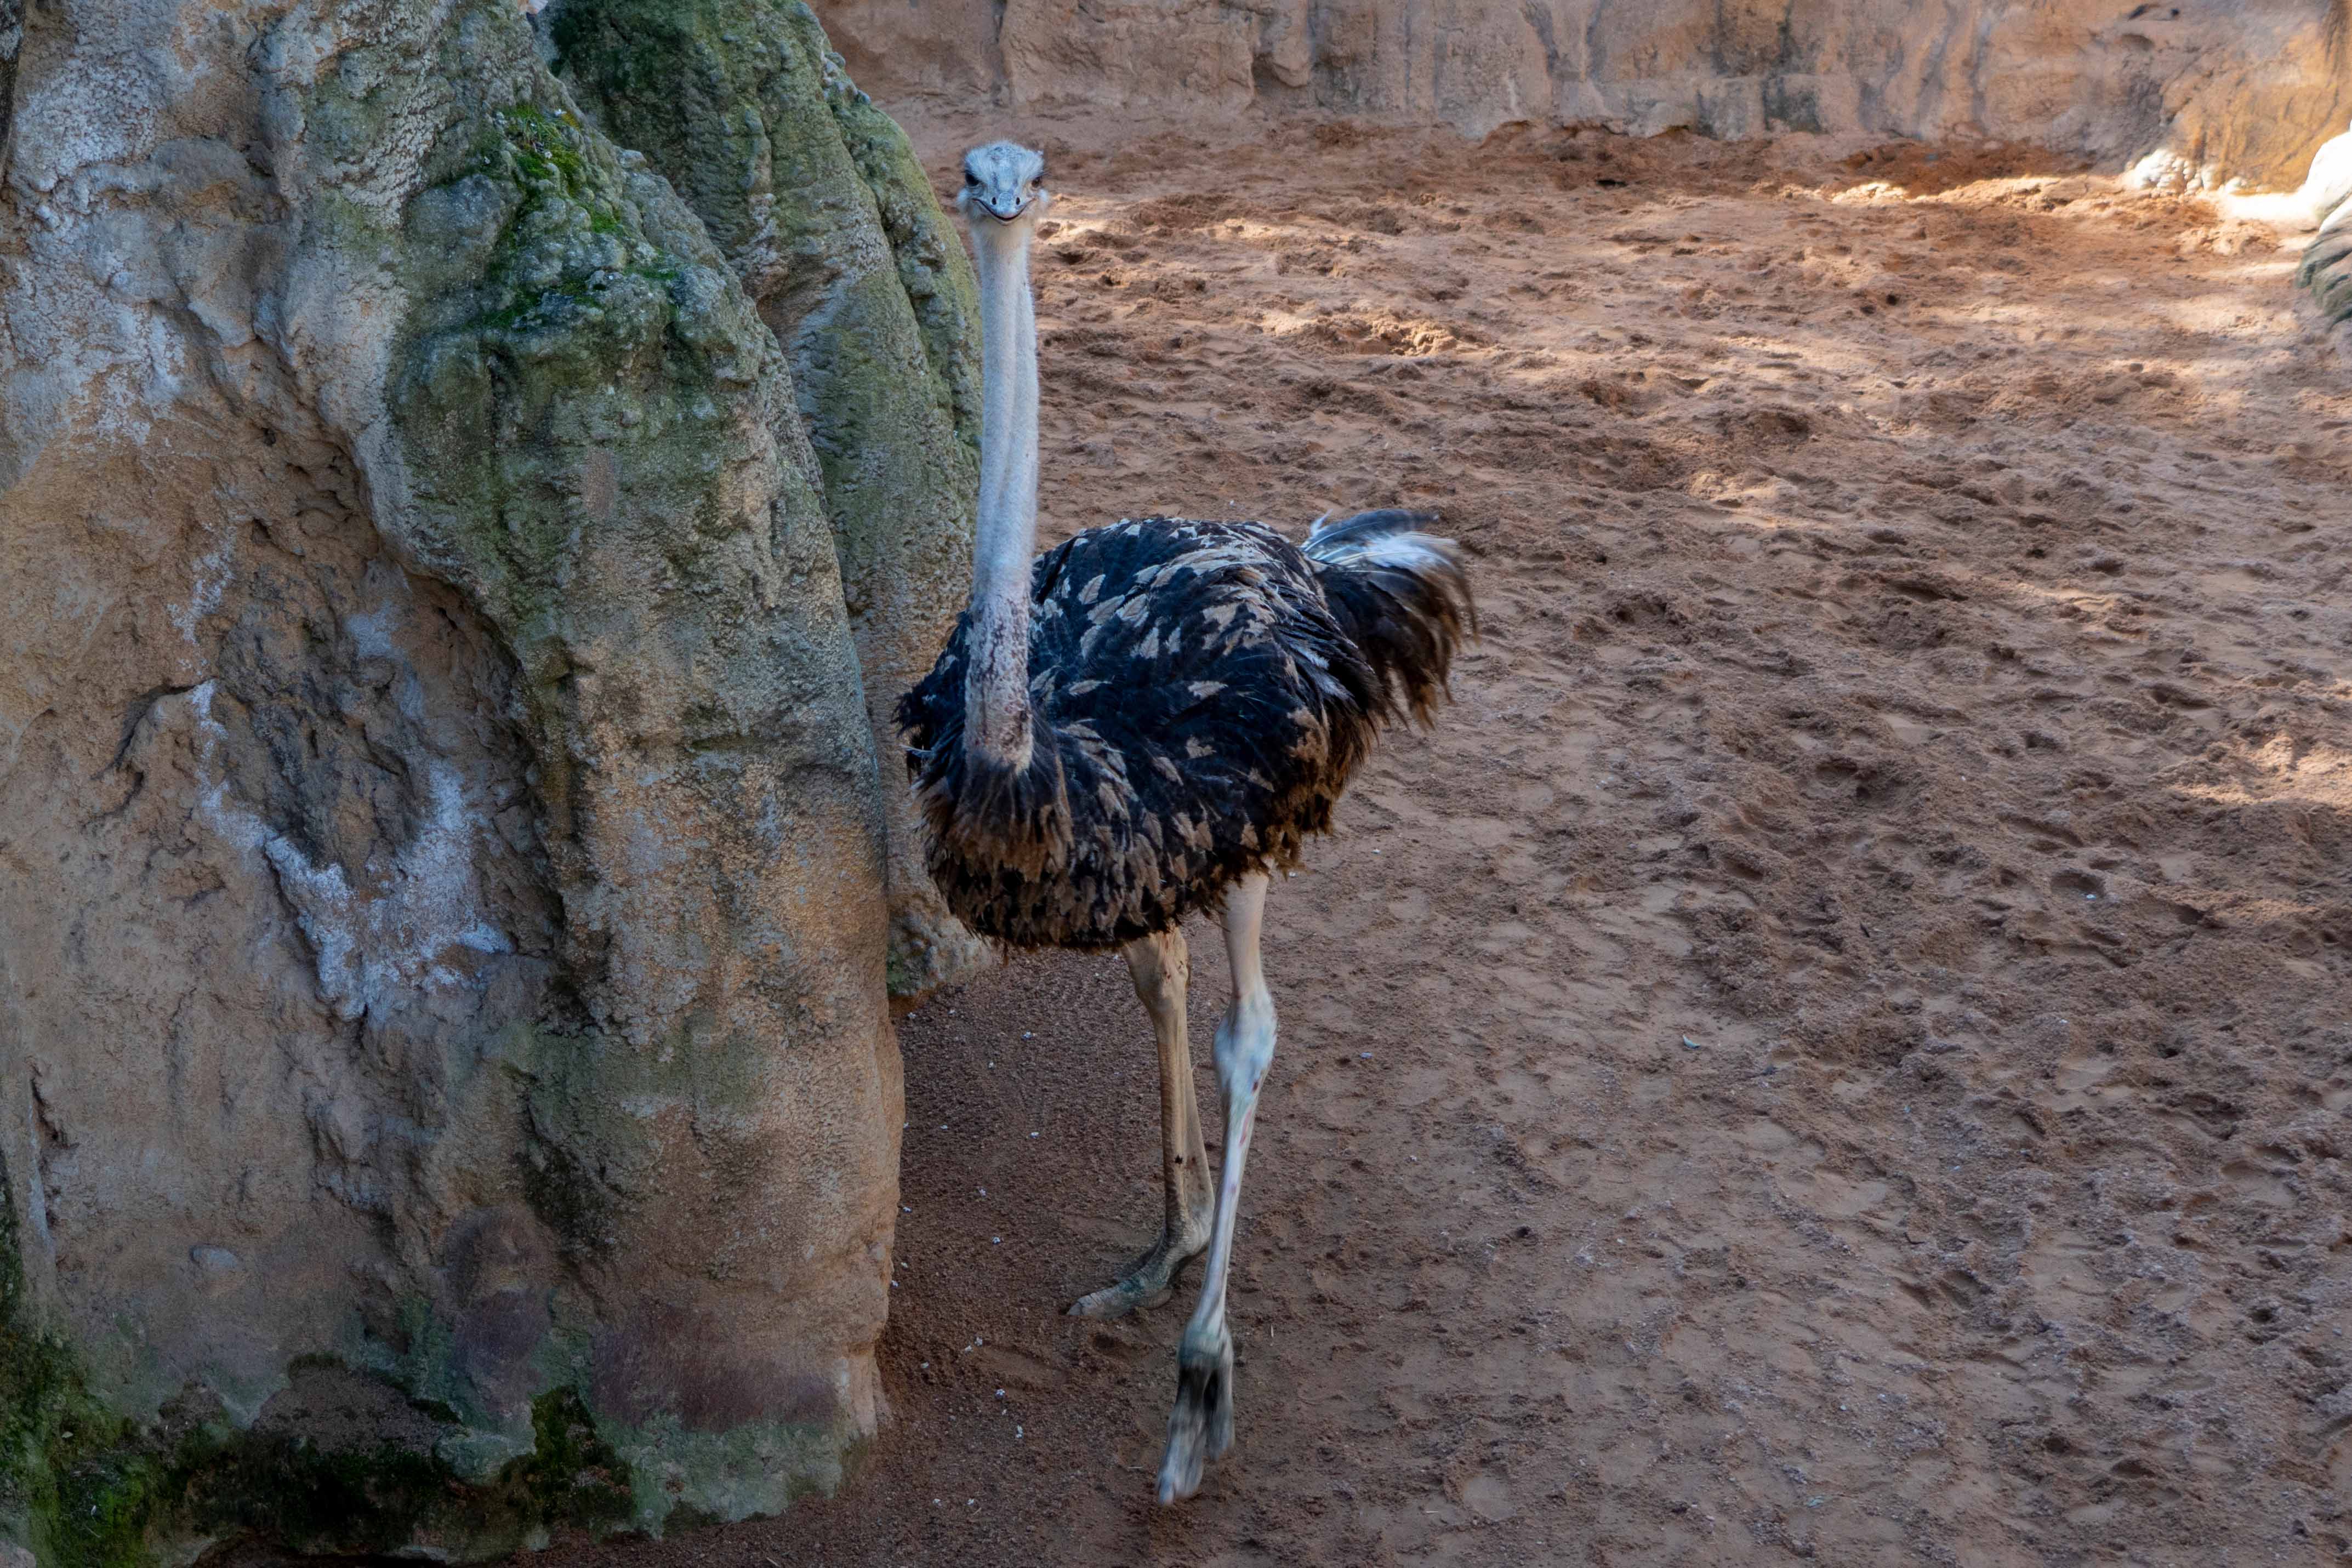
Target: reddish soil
<point x="1836" y="1046"/>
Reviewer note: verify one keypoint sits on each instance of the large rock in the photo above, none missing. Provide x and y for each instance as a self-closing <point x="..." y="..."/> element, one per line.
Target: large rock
<point x="2242" y="90"/>
<point x="830" y="225"/>
<point x="2325" y="199"/>
<point x="445" y="1086"/>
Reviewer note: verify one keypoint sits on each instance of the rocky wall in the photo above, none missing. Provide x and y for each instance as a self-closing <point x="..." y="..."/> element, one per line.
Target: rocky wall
<point x="2210" y="91"/>
<point x="832" y="228"/>
<point x="446" y="1085"/>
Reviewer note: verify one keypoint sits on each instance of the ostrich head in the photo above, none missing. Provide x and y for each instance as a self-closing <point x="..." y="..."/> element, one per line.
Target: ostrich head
<point x="1002" y="182"/>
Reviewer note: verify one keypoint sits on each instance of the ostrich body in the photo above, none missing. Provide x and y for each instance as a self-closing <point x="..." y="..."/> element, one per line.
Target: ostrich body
<point x="1144" y="722"/>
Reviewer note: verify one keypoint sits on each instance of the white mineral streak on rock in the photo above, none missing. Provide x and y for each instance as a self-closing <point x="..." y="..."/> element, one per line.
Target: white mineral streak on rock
<point x="211" y="575"/>
<point x="395" y="934"/>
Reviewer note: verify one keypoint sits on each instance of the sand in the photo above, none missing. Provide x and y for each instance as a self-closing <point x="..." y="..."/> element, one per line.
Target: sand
<point x="1836" y="1046"/>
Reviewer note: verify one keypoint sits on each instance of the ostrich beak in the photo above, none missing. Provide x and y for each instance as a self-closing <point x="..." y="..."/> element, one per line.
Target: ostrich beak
<point x="1003" y="208"/>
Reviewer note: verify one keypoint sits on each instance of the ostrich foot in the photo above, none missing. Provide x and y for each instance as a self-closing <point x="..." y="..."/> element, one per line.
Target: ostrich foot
<point x="1200" y="1426"/>
<point x="1147" y="1284"/>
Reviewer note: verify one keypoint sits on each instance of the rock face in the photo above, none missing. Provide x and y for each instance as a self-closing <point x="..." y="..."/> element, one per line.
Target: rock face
<point x="830" y="223"/>
<point x="2244" y="88"/>
<point x="446" y="1085"/>
<point x="2325" y="199"/>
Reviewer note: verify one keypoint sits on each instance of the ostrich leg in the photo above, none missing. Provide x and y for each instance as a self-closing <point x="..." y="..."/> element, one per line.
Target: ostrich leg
<point x="1201" y="1425"/>
<point x="1159" y="967"/>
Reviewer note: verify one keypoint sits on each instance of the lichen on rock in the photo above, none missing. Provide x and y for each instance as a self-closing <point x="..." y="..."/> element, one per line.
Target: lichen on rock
<point x="818" y="203"/>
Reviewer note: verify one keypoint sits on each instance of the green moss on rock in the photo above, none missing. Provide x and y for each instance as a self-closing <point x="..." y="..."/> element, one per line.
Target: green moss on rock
<point x="83" y="1487"/>
<point x="581" y="328"/>
<point x="572" y="1475"/>
<point x="823" y="211"/>
<point x="817" y="200"/>
<point x="121" y="1499"/>
<point x="52" y="1434"/>
<point x="933" y="269"/>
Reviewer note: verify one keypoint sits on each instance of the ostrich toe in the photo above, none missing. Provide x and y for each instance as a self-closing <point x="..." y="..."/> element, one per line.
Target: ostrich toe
<point x="1200" y="1426"/>
<point x="1148" y="1283"/>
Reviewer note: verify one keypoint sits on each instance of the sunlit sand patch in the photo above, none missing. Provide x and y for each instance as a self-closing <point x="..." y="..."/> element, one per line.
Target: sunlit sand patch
<point x="1373" y="332"/>
<point x="2286" y="770"/>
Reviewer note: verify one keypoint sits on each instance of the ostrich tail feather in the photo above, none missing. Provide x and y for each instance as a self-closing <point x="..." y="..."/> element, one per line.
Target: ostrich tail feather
<point x="1402" y="596"/>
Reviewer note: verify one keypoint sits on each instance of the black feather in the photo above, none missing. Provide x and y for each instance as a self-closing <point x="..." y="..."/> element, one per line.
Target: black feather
<point x="1200" y="693"/>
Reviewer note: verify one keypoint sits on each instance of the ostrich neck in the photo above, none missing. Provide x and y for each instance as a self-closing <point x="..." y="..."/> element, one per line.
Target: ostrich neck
<point x="996" y="686"/>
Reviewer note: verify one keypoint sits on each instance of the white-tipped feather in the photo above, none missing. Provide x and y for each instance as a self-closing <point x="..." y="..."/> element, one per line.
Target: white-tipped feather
<point x="1407" y="552"/>
<point x="1388" y="537"/>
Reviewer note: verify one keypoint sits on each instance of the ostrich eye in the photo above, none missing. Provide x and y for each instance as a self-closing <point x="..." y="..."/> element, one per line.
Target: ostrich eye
<point x="970" y="177"/>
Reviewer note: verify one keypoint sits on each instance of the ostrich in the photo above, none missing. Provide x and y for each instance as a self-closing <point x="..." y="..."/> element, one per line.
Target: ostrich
<point x="1143" y="723"/>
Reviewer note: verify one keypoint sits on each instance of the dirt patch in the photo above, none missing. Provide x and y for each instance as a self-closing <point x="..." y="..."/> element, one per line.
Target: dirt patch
<point x="1834" y="1047"/>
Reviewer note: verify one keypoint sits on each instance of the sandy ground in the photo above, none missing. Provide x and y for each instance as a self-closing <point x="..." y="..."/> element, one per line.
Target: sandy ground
<point x="1836" y="1046"/>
